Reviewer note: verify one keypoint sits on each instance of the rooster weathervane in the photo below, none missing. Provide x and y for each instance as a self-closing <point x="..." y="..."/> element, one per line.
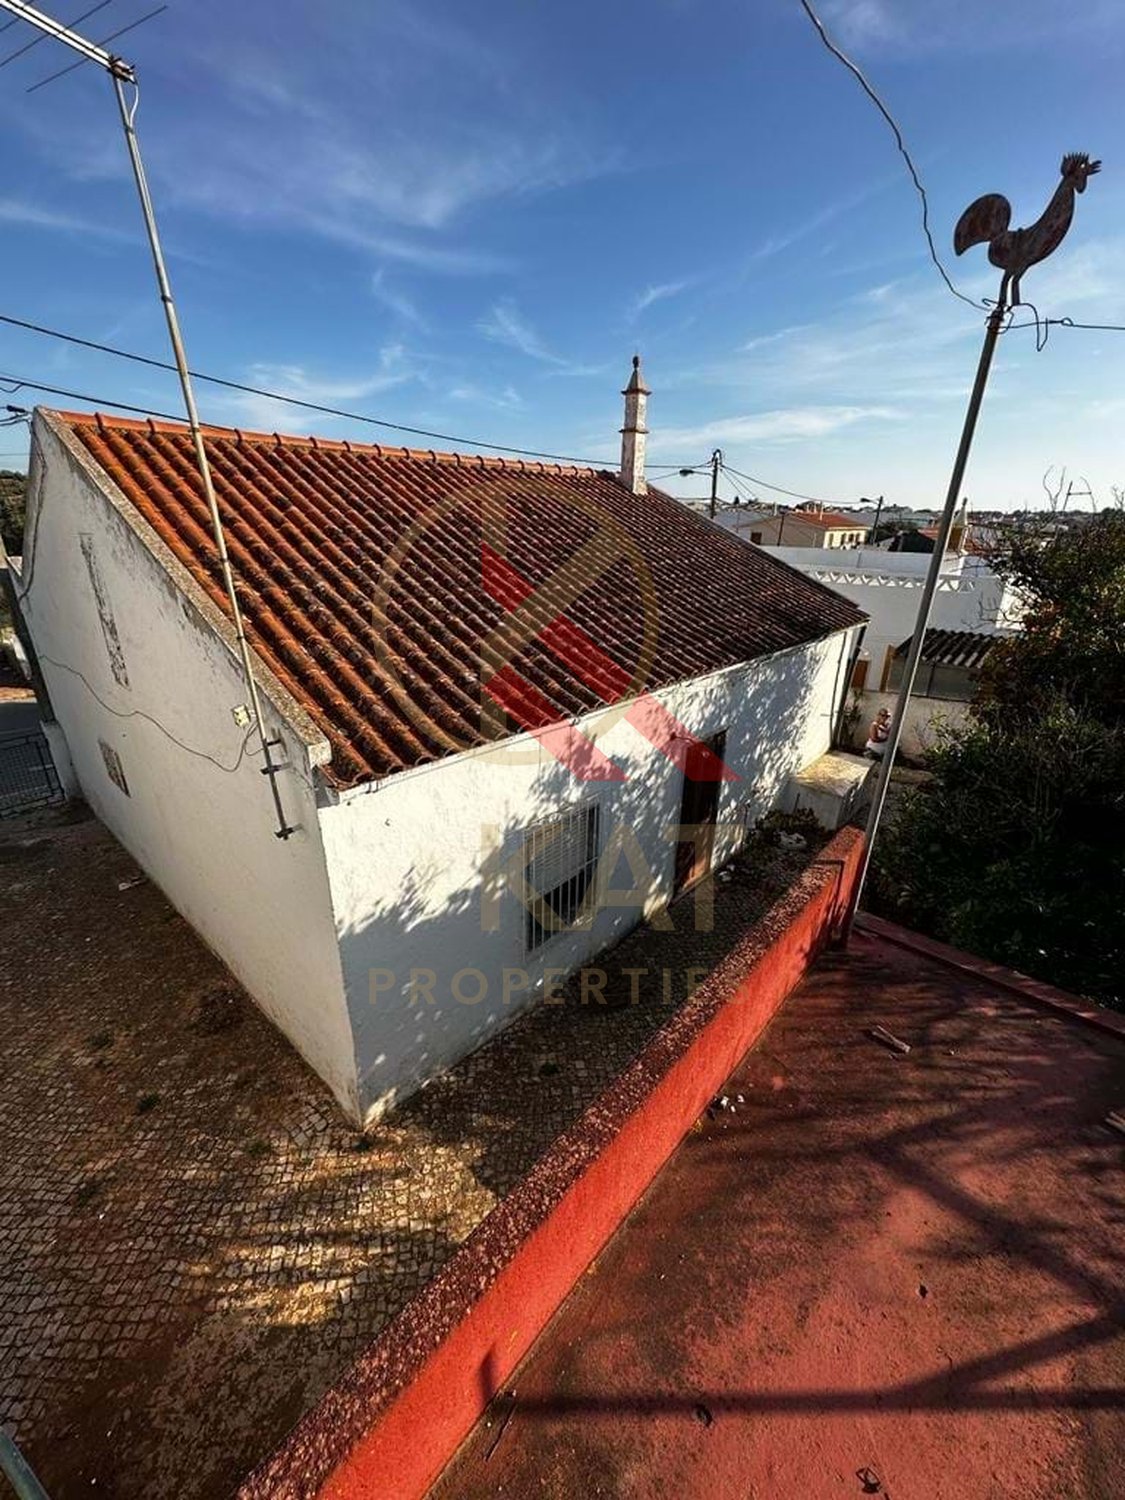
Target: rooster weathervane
<point x="1014" y="250"/>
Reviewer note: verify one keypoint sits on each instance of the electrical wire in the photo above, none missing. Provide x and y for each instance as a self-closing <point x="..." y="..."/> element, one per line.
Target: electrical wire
<point x="139" y="713"/>
<point x="765" y="485"/>
<point x="867" y="88"/>
<point x="54" y="390"/>
<point x="254" y="390"/>
<point x="671" y="473"/>
<point x="28" y="571"/>
<point x="1065" y="323"/>
<point x="746" y="499"/>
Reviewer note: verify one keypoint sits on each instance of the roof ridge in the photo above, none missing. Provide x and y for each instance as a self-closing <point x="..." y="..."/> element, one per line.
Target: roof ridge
<point x="152" y="425"/>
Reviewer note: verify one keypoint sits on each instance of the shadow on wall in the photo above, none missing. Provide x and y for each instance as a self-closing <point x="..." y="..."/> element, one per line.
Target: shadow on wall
<point x="926" y="720"/>
<point x="443" y="966"/>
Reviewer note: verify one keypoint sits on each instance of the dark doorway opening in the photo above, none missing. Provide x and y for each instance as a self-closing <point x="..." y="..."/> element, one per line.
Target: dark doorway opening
<point x="699" y="808"/>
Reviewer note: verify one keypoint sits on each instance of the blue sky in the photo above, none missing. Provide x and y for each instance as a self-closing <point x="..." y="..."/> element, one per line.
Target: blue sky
<point x="468" y="217"/>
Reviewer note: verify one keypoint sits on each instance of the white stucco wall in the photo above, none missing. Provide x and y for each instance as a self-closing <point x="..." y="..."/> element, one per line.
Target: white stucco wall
<point x="205" y="836"/>
<point x="925" y="717"/>
<point x="888" y="586"/>
<point x="405" y="858"/>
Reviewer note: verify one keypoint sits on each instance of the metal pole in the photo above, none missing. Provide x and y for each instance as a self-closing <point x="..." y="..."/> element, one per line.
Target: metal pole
<point x="914" y="656"/>
<point x="269" y="770"/>
<point x="122" y="73"/>
<point x="875" y="528"/>
<point x="18" y="1472"/>
<point x="716" y="460"/>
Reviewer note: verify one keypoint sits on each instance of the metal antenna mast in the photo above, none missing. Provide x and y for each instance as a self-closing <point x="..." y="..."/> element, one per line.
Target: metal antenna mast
<point x="123" y="75"/>
<point x="1014" y="251"/>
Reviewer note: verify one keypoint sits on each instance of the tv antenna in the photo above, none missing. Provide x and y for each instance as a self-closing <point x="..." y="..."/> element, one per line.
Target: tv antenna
<point x="127" y="93"/>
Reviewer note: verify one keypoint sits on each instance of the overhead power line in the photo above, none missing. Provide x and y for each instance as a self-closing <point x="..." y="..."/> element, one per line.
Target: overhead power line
<point x="256" y="390"/>
<point x="766" y="485"/>
<point x="16" y="383"/>
<point x="868" y="89"/>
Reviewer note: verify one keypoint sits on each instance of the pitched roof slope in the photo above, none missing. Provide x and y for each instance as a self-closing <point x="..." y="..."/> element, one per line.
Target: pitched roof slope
<point x="954" y="648"/>
<point x="392" y="591"/>
<point x="830" y="520"/>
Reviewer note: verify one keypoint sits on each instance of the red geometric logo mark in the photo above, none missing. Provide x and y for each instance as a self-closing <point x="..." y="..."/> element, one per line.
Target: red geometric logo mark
<point x="576" y="649"/>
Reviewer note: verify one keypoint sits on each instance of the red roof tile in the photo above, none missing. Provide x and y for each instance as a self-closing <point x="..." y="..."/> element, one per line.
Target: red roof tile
<point x="831" y="520"/>
<point x="371" y="586"/>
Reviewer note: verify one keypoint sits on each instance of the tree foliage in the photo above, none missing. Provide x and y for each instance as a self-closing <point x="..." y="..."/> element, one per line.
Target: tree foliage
<point x="1016" y="848"/>
<point x="13" y="488"/>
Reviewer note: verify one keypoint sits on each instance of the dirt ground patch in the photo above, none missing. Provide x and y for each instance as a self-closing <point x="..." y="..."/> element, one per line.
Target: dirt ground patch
<point x="193" y="1242"/>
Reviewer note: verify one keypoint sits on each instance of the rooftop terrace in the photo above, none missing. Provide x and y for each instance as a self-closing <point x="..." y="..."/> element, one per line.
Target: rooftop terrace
<point x="884" y="1274"/>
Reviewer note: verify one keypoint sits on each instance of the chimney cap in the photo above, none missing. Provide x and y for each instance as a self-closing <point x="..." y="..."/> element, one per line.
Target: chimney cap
<point x="636" y="386"/>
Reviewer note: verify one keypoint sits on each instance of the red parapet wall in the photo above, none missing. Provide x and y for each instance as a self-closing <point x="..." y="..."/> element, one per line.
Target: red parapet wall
<point x="388" y="1428"/>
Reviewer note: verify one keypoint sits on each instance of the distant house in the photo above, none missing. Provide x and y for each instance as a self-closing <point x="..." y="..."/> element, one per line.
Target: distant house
<point x="517" y="707"/>
<point x="806" y="526"/>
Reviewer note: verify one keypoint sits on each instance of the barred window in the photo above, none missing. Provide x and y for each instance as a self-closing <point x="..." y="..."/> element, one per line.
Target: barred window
<point x="560" y="858"/>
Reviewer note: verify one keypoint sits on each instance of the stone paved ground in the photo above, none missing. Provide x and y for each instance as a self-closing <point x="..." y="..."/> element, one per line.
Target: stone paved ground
<point x="193" y="1242"/>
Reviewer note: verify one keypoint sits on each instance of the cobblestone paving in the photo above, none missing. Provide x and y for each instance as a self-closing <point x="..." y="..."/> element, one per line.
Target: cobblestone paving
<point x="193" y="1242"/>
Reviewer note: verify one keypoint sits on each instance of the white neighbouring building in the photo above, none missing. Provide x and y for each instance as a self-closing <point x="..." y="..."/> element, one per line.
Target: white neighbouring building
<point x="887" y="586"/>
<point x="496" y="689"/>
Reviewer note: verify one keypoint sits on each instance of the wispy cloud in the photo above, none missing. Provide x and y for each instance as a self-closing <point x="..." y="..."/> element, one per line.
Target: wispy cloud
<point x="918" y="26"/>
<point x="508" y="399"/>
<point x="658" y="292"/>
<point x="782" y="426"/>
<point x="34" y="216"/>
<point x="864" y="23"/>
<point x="394" y="301"/>
<point x="775" y="244"/>
<point x="505" y="324"/>
<point x="421" y="255"/>
<point x="391" y="157"/>
<point x="267" y="414"/>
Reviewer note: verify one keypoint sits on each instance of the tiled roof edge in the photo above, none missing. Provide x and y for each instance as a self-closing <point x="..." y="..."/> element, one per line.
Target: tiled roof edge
<point x="300" y="723"/>
<point x="153" y="426"/>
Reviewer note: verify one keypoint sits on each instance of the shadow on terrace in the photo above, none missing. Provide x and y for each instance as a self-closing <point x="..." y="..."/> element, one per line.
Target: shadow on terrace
<point x="872" y="1253"/>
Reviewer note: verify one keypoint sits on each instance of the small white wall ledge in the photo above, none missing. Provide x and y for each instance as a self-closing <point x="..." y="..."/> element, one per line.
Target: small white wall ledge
<point x="830" y="786"/>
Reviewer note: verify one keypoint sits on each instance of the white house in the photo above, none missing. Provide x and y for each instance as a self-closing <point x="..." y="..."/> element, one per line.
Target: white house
<point x="811" y="525"/>
<point x="498" y="690"/>
<point x="887" y="587"/>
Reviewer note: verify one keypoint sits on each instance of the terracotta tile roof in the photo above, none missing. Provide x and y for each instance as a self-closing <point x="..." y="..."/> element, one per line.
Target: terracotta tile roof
<point x="831" y="520"/>
<point x="392" y="590"/>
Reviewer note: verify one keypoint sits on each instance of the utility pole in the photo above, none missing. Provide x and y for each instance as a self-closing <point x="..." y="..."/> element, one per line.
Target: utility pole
<point x="782" y="512"/>
<point x="878" y="513"/>
<point x="716" y="464"/>
<point x="123" y="76"/>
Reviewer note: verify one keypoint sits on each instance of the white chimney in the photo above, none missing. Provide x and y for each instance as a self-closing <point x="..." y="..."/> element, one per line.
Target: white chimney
<point x="634" y="432"/>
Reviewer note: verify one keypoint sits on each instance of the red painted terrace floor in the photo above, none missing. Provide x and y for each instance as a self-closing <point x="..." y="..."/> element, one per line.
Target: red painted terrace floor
<point x="882" y="1274"/>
